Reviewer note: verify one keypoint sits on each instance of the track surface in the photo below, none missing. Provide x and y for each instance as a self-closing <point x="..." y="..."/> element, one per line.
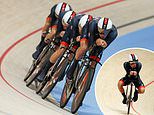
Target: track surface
<point x="19" y="18"/>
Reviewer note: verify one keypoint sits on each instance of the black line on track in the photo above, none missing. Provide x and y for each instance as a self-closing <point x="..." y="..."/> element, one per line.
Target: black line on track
<point x="136" y="21"/>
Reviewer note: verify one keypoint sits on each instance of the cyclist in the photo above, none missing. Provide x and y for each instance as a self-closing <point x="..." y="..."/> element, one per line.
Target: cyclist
<point x="63" y="23"/>
<point x="83" y="27"/>
<point x="50" y="24"/>
<point x="132" y="67"/>
<point x="101" y="32"/>
<point x="75" y="32"/>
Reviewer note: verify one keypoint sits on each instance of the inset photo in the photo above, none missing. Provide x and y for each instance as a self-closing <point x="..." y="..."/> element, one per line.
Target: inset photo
<point x="125" y="83"/>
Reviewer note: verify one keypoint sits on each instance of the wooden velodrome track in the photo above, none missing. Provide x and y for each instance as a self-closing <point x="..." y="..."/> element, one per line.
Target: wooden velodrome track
<point x="21" y="17"/>
<point x="108" y="95"/>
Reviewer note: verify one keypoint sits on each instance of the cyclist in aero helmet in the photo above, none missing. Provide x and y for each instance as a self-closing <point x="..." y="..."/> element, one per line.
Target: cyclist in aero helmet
<point x="102" y="33"/>
<point x="83" y="27"/>
<point x="71" y="34"/>
<point x="104" y="26"/>
<point x="132" y="68"/>
<point x="63" y="22"/>
<point x="50" y="25"/>
<point x="133" y="58"/>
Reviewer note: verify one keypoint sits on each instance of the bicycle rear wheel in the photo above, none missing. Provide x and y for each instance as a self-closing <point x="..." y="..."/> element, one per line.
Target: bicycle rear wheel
<point x="30" y="71"/>
<point x="33" y="76"/>
<point x="54" y="79"/>
<point x="41" y="85"/>
<point x="44" y="55"/>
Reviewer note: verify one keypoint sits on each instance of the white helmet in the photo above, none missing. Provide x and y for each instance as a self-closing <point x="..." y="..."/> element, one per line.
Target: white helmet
<point x="104" y="24"/>
<point x="67" y="17"/>
<point x="84" y="20"/>
<point x="133" y="57"/>
<point x="61" y="7"/>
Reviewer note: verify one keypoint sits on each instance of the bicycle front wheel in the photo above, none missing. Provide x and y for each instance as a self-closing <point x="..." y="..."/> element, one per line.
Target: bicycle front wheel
<point x="80" y="92"/>
<point x="129" y="99"/>
<point x="30" y="71"/>
<point x="33" y="76"/>
<point x="41" y="85"/>
<point x="41" y="59"/>
<point x="66" y="94"/>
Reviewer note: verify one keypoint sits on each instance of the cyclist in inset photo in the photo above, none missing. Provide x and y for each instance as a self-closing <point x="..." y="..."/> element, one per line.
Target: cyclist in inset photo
<point x="132" y="68"/>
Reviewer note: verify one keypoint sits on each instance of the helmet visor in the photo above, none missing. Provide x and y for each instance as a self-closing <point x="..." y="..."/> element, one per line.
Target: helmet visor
<point x="65" y="25"/>
<point x="103" y="31"/>
<point x="56" y="15"/>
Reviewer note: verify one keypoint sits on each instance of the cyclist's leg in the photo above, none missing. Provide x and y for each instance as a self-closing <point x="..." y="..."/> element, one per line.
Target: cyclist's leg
<point x="95" y="55"/>
<point x="79" y="53"/>
<point x="42" y="43"/>
<point x="140" y="86"/>
<point x="39" y="48"/>
<point x="94" y="58"/>
<point x="123" y="82"/>
<point x="58" y="53"/>
<point x="51" y="61"/>
<point x="74" y="48"/>
<point x="82" y="49"/>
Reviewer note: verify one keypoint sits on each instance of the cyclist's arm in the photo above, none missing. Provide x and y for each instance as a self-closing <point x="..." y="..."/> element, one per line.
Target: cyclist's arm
<point x="59" y="29"/>
<point x="85" y="31"/>
<point x="126" y="67"/>
<point x="49" y="20"/>
<point x="74" y="28"/>
<point x="47" y="25"/>
<point x="139" y="66"/>
<point x="112" y="36"/>
<point x="51" y="35"/>
<point x="68" y="33"/>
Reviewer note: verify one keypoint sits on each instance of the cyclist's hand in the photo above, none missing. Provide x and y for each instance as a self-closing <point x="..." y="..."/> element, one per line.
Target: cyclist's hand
<point x="44" y="34"/>
<point x="62" y="33"/>
<point x="104" y="44"/>
<point x="47" y="40"/>
<point x="78" y="38"/>
<point x="133" y="73"/>
<point x="101" y="42"/>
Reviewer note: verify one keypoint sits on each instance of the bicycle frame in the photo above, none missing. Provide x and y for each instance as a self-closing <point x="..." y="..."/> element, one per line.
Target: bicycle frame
<point x="83" y="79"/>
<point x="52" y="45"/>
<point x="82" y="67"/>
<point x="129" y="91"/>
<point x="85" y="63"/>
